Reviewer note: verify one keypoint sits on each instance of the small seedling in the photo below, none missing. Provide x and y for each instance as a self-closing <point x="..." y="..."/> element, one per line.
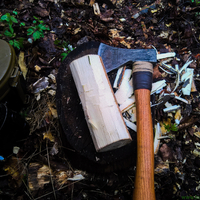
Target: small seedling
<point x="172" y="127"/>
<point x="8" y="21"/>
<point x="37" y="30"/>
<point x="67" y="48"/>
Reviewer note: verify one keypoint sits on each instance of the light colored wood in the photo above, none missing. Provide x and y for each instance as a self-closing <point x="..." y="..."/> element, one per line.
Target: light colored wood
<point x="144" y="180"/>
<point x="101" y="110"/>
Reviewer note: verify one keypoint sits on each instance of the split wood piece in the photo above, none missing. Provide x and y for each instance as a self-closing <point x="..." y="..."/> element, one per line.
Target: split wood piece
<point x="101" y="110"/>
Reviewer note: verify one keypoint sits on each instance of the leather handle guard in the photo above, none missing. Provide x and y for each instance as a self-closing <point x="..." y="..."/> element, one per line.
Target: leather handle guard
<point x="144" y="179"/>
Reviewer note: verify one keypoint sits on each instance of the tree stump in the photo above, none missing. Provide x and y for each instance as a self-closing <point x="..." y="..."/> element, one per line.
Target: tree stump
<point x="74" y="125"/>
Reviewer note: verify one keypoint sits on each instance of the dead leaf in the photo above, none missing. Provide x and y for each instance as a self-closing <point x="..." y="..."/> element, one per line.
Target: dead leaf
<point x="42" y="12"/>
<point x="76" y="30"/>
<point x="197" y="134"/>
<point x="22" y="64"/>
<point x="166" y="153"/>
<point x="178" y="116"/>
<point x="54" y="149"/>
<point x="62" y="176"/>
<point x="52" y="92"/>
<point x="37" y="68"/>
<point x="106" y="17"/>
<point x="156" y="72"/>
<point x="16" y="170"/>
<point x="114" y="33"/>
<point x="38" y="176"/>
<point x="52" y="77"/>
<point x="53" y="110"/>
<point x="92" y="2"/>
<point x="49" y="136"/>
<point x="128" y="45"/>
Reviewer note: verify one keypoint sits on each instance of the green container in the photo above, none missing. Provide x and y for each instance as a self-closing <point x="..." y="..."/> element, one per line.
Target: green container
<point x="11" y="78"/>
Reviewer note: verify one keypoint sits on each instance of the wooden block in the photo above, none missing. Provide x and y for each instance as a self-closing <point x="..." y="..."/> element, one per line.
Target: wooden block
<point x="101" y="110"/>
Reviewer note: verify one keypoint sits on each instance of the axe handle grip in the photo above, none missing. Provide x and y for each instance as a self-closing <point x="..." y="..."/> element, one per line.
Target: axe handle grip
<point x="144" y="179"/>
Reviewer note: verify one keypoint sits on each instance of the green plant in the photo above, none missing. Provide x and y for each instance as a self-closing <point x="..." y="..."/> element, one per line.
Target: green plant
<point x="171" y="127"/>
<point x="37" y="30"/>
<point x="8" y="21"/>
<point x="67" y="48"/>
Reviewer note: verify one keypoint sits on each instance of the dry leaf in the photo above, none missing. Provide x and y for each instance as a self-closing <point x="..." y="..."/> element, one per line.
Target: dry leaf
<point x="49" y="136"/>
<point x="92" y="2"/>
<point x="197" y="134"/>
<point x="37" y="68"/>
<point x="52" y="92"/>
<point x="38" y="176"/>
<point x="76" y="31"/>
<point x="53" y="110"/>
<point x="166" y="153"/>
<point x="22" y="64"/>
<point x="128" y="45"/>
<point x="15" y="169"/>
<point x="114" y="33"/>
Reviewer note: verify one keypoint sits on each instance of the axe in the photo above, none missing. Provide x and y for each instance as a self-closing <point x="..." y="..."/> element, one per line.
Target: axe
<point x="141" y="59"/>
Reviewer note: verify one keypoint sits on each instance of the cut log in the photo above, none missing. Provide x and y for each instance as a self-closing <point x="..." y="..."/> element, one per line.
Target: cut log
<point x="103" y="117"/>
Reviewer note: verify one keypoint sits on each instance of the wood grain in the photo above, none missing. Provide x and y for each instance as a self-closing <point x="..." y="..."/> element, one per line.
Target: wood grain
<point x="101" y="110"/>
<point x="144" y="180"/>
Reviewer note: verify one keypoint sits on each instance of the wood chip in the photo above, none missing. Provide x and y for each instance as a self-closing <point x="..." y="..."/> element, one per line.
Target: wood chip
<point x="96" y="9"/>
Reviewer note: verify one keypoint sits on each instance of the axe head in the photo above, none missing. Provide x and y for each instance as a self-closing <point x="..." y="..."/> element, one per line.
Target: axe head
<point x="114" y="57"/>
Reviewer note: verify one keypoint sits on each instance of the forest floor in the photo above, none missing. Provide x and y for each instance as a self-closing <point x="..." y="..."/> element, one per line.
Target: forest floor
<point x="42" y="33"/>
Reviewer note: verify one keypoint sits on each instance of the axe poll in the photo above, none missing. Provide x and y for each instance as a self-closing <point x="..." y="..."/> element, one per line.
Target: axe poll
<point x="142" y="60"/>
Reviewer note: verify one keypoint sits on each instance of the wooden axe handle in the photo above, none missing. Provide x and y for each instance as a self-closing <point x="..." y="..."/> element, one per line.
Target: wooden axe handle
<point x="144" y="180"/>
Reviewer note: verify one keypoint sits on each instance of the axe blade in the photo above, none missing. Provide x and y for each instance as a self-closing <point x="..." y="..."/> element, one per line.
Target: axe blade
<point x="114" y="57"/>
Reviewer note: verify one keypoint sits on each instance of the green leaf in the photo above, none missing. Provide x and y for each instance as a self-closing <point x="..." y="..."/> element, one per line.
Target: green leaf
<point x="34" y="21"/>
<point x="22" y="24"/>
<point x="42" y="27"/>
<point x="174" y="127"/>
<point x="30" y="31"/>
<point x="41" y="34"/>
<point x="167" y="126"/>
<point x="57" y="42"/>
<point x="15" y="12"/>
<point x="8" y="33"/>
<point x="64" y="44"/>
<point x="11" y="42"/>
<point x="21" y="41"/>
<point x="16" y="44"/>
<point x="64" y="55"/>
<point x="13" y="19"/>
<point x="6" y="17"/>
<point x="36" y="35"/>
<point x="11" y="29"/>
